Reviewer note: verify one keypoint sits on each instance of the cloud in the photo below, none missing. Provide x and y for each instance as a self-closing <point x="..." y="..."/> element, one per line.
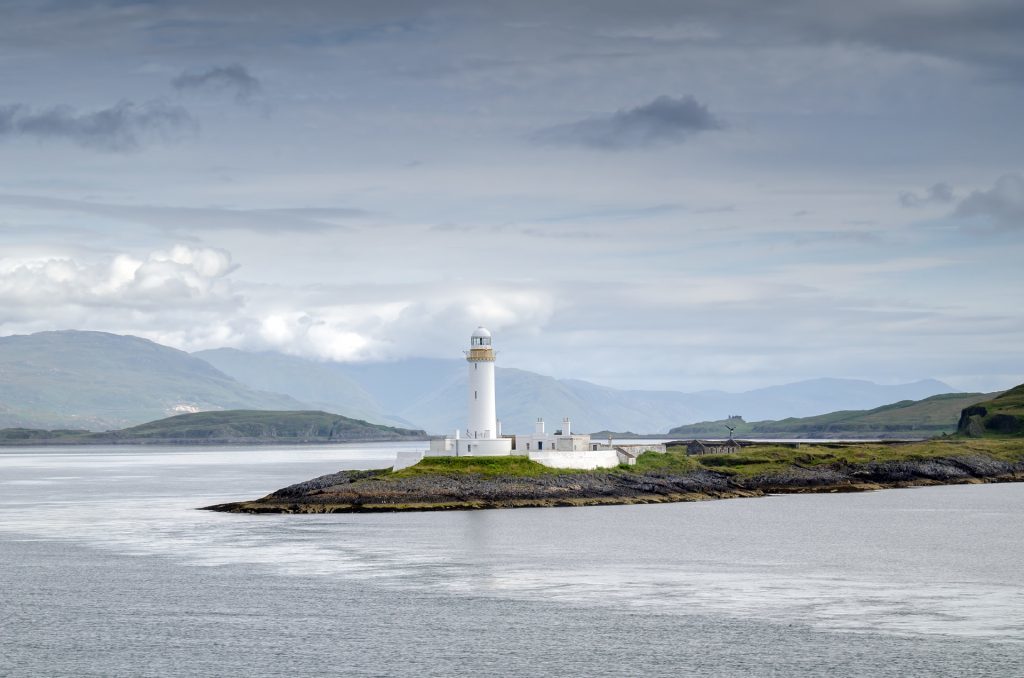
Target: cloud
<point x="164" y="279"/>
<point x="234" y="78"/>
<point x="1003" y="204"/>
<point x="666" y="120"/>
<point x="189" y="298"/>
<point x="122" y="127"/>
<point x="193" y="219"/>
<point x="940" y="193"/>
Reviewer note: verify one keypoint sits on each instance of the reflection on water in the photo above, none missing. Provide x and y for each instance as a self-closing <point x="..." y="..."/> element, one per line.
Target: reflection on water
<point x="911" y="564"/>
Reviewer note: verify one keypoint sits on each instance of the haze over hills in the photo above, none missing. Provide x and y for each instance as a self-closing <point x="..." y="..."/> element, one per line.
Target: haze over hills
<point x="323" y="385"/>
<point x="100" y="381"/>
<point x="430" y="394"/>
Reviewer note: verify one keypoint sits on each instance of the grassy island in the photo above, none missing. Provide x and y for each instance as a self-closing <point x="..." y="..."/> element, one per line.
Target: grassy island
<point x="446" y="483"/>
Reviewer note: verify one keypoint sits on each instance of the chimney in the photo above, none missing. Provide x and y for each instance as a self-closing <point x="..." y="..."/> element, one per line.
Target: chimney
<point x="538" y="428"/>
<point x="566" y="427"/>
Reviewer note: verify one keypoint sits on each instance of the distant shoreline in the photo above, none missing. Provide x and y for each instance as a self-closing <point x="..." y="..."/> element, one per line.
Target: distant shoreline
<point x="149" y="442"/>
<point x="224" y="427"/>
<point x="94" y="439"/>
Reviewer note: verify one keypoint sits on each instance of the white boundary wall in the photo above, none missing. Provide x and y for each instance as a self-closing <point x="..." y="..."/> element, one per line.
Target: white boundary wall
<point x="583" y="459"/>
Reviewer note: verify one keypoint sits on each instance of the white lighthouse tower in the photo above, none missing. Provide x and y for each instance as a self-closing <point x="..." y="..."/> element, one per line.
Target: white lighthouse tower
<point x="561" y="449"/>
<point x="483" y="420"/>
<point x="483" y="435"/>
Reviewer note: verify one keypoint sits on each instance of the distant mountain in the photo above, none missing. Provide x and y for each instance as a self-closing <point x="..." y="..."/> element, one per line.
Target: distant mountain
<point x="818" y="396"/>
<point x="998" y="417"/>
<point x="906" y="419"/>
<point x="226" y="427"/>
<point x="431" y="394"/>
<point x="99" y="381"/>
<point x="324" y="385"/>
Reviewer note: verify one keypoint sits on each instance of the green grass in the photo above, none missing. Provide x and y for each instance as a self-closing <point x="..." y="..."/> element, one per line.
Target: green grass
<point x="1011" y="402"/>
<point x="754" y="460"/>
<point x="770" y="458"/>
<point x="1001" y="417"/>
<point x="485" y="466"/>
<point x="673" y="461"/>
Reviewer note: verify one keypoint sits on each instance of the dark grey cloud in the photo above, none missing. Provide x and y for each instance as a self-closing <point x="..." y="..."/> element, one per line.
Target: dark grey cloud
<point x="1002" y="205"/>
<point x="122" y="127"/>
<point x="666" y="120"/>
<point x="987" y="34"/>
<point x="937" y="194"/>
<point x="234" y="78"/>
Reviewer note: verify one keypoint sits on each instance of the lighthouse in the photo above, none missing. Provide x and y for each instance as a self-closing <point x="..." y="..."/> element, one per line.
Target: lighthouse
<point x="483" y="438"/>
<point x="483" y="419"/>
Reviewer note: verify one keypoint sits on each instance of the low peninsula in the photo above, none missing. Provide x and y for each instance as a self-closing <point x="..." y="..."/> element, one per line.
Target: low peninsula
<point x="988" y="447"/>
<point x="452" y="483"/>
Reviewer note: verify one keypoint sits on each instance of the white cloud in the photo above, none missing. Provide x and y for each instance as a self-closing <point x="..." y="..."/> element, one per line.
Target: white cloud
<point x="187" y="297"/>
<point x="183" y="276"/>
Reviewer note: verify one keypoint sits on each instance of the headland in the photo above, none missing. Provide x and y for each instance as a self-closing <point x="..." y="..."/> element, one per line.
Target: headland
<point x="460" y="483"/>
<point x="224" y="427"/>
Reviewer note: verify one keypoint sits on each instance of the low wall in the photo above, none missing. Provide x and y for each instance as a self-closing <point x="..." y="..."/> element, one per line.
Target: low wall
<point x="406" y="458"/>
<point x="638" y="449"/>
<point x="582" y="459"/>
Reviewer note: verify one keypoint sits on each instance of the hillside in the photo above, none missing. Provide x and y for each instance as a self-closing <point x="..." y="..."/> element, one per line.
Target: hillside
<point x="324" y="385"/>
<point x="1000" y="416"/>
<point x="231" y="426"/>
<point x="430" y="394"/>
<point x="99" y="381"/>
<point x="923" y="418"/>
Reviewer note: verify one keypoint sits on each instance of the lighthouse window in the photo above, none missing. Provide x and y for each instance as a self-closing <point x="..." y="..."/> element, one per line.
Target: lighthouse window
<point x="474" y="395"/>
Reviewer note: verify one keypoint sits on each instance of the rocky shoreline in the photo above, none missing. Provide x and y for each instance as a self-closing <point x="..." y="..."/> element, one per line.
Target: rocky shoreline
<point x="377" y="491"/>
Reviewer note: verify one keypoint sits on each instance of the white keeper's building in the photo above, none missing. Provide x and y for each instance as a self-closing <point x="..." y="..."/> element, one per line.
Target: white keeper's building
<point x="483" y="436"/>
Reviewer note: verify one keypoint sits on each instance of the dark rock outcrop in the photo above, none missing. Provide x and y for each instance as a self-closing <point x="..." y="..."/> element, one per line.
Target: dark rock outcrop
<point x="351" y="491"/>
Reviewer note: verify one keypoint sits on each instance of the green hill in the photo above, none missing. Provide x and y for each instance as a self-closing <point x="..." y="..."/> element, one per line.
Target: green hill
<point x="231" y="426"/>
<point x="1000" y="416"/>
<point x="100" y="381"/>
<point x="906" y="419"/>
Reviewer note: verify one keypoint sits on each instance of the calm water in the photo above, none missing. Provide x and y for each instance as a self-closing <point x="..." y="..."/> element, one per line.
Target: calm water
<point x="106" y="569"/>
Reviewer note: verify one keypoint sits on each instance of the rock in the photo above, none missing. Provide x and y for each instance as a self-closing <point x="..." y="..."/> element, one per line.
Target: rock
<point x="973" y="427"/>
<point x="1006" y="424"/>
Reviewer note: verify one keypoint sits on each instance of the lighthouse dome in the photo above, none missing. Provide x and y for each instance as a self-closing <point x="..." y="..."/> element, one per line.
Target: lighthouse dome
<point x="481" y="337"/>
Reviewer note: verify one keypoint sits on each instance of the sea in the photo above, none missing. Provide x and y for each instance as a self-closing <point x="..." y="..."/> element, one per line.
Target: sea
<point x="108" y="568"/>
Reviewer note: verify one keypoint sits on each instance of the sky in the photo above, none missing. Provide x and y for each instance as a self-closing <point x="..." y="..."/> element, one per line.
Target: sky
<point x="720" y="194"/>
